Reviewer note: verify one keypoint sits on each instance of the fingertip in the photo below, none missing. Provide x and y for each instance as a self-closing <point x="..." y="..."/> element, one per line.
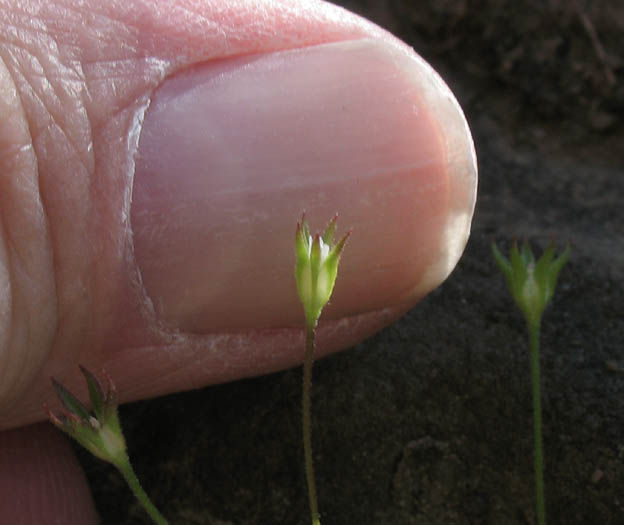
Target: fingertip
<point x="41" y="480"/>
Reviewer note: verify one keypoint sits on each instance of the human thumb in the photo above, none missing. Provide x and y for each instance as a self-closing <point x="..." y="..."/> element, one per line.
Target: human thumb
<point x="159" y="155"/>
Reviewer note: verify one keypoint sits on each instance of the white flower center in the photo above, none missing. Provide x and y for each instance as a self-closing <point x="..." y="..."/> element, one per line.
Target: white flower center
<point x="324" y="247"/>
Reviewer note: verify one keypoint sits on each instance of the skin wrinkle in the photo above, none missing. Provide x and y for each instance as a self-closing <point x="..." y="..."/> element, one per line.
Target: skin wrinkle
<point x="38" y="97"/>
<point x="9" y="250"/>
<point x="54" y="113"/>
<point x="6" y="327"/>
<point x="55" y="108"/>
<point x="26" y="367"/>
<point x="236" y="42"/>
<point x="42" y="95"/>
<point x="23" y="364"/>
<point x="28" y="25"/>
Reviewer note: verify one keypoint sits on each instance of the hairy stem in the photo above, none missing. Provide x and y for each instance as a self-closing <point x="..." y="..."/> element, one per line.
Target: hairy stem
<point x="307" y="421"/>
<point x="127" y="472"/>
<point x="534" y="334"/>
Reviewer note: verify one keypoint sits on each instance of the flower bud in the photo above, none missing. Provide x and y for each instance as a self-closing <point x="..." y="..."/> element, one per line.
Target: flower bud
<point x="532" y="284"/>
<point x="316" y="267"/>
<point x="100" y="432"/>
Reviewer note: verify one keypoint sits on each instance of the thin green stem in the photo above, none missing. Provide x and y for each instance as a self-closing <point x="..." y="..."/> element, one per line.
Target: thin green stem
<point x="127" y="472"/>
<point x="534" y="335"/>
<point x="307" y="421"/>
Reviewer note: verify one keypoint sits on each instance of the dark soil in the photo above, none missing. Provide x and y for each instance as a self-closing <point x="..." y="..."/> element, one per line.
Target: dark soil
<point x="429" y="422"/>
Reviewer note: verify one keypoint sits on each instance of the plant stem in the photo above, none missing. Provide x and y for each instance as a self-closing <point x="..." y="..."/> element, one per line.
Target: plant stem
<point x="534" y="334"/>
<point x="124" y="466"/>
<point x="307" y="421"/>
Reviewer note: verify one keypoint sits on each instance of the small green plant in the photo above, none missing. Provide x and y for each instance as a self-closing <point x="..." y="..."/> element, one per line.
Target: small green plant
<point x="100" y="433"/>
<point x="316" y="269"/>
<point x="532" y="285"/>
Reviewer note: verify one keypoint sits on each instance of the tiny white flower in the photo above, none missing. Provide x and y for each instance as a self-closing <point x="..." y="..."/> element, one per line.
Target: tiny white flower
<point x="316" y="267"/>
<point x="531" y="283"/>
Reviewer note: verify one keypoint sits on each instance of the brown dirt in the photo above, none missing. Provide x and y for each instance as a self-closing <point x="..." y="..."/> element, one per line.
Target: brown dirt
<point x="429" y="422"/>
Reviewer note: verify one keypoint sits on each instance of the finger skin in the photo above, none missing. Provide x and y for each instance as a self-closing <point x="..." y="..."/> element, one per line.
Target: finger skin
<point x="40" y="480"/>
<point x="76" y="80"/>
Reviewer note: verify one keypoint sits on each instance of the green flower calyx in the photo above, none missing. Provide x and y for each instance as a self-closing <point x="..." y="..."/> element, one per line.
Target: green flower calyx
<point x="316" y="267"/>
<point x="100" y="432"/>
<point x="531" y="283"/>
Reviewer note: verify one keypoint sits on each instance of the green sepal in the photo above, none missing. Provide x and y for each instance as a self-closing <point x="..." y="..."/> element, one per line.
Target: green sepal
<point x="70" y="402"/>
<point x="531" y="284"/>
<point x="316" y="267"/>
<point x="99" y="433"/>
<point x="548" y="268"/>
<point x="96" y="393"/>
<point x="328" y="234"/>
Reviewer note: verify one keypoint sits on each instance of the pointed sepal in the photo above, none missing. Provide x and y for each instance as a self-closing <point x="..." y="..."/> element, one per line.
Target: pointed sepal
<point x="316" y="266"/>
<point x="100" y="432"/>
<point x="531" y="283"/>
